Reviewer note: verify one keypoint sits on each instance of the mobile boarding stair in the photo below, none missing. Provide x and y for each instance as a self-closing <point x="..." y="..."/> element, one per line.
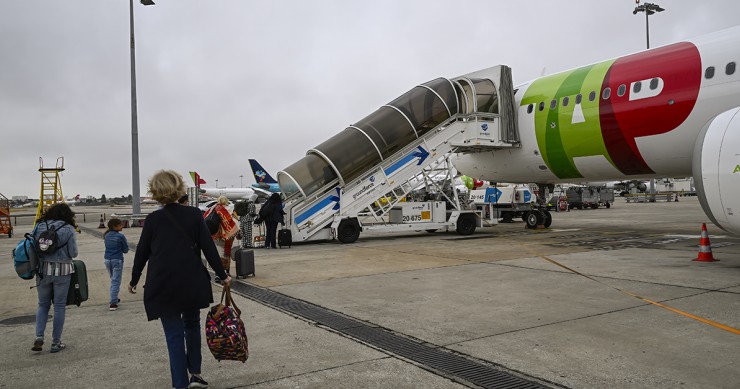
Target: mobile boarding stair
<point x="358" y="179"/>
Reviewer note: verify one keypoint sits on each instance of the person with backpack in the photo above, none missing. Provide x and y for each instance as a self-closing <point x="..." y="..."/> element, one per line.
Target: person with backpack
<point x="115" y="246"/>
<point x="177" y="284"/>
<point x="272" y="213"/>
<point x="56" y="246"/>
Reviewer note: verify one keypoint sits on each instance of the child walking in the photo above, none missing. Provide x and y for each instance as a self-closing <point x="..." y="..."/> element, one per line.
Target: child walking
<point x="115" y="246"/>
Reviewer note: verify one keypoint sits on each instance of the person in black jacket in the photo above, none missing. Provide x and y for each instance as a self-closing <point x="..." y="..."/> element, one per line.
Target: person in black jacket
<point x="177" y="284"/>
<point x="272" y="213"/>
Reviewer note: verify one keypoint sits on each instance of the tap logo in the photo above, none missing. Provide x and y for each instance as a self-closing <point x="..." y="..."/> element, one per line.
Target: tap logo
<point x="372" y="178"/>
<point x="484" y="126"/>
<point x="737" y="169"/>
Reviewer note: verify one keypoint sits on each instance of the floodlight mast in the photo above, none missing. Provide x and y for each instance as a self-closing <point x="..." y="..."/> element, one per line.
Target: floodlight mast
<point x="136" y="195"/>
<point x="648" y="9"/>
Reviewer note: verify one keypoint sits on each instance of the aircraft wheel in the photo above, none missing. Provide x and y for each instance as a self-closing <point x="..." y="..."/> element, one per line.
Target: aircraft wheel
<point x="466" y="224"/>
<point x="548" y="218"/>
<point x="348" y="231"/>
<point x="431" y="231"/>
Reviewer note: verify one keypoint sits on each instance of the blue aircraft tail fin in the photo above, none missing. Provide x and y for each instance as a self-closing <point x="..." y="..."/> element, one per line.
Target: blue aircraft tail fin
<point x="260" y="174"/>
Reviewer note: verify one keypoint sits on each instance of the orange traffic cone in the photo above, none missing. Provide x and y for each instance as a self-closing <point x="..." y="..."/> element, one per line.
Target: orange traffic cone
<point x="102" y="222"/>
<point x="705" y="248"/>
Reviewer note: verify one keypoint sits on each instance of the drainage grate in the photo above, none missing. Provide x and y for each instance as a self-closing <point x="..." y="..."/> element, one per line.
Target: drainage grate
<point x="435" y="359"/>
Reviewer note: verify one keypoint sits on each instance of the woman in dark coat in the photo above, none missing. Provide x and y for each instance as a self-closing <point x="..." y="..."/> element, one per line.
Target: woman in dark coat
<point x="272" y="213"/>
<point x="177" y="284"/>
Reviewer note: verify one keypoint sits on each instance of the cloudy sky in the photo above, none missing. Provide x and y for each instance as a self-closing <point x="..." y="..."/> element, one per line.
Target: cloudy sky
<point x="223" y="81"/>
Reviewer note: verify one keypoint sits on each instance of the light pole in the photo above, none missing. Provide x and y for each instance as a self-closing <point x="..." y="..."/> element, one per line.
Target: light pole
<point x="241" y="184"/>
<point x="217" y="183"/>
<point x="649" y="9"/>
<point x="136" y="199"/>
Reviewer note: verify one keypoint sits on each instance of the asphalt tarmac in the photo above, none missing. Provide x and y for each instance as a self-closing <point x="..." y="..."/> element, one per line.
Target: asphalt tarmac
<point x="605" y="298"/>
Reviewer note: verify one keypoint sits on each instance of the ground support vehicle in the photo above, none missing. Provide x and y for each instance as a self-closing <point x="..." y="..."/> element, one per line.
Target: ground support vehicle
<point x="6" y="227"/>
<point x="589" y="197"/>
<point x="509" y="202"/>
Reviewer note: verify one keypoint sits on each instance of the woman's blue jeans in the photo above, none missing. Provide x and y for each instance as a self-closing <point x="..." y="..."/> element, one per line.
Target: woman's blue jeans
<point x="183" y="344"/>
<point x="58" y="286"/>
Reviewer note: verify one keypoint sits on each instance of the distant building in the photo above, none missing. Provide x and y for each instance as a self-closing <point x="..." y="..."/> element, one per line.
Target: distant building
<point x="19" y="198"/>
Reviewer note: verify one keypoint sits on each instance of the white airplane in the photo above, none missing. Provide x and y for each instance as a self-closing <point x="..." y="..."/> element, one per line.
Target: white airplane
<point x="230" y="193"/>
<point x="672" y="111"/>
<point x="73" y="200"/>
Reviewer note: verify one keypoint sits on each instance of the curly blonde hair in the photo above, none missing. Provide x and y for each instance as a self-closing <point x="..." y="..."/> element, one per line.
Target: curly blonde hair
<point x="166" y="186"/>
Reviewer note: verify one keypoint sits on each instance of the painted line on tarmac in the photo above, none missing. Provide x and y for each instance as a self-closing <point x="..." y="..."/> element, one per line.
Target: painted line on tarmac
<point x="680" y="312"/>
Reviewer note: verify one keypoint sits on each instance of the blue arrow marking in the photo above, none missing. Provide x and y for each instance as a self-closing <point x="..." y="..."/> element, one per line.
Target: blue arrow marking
<point x="318" y="207"/>
<point x="492" y="195"/>
<point x="421" y="154"/>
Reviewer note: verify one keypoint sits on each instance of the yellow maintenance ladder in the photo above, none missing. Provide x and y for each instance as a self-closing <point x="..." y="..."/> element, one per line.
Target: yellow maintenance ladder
<point x="51" y="186"/>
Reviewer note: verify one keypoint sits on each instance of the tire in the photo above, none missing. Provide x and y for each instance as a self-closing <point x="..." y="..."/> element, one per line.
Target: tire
<point x="348" y="231"/>
<point x="608" y="205"/>
<point x="594" y="206"/>
<point x="548" y="218"/>
<point x="431" y="231"/>
<point x="466" y="224"/>
<point x="533" y="219"/>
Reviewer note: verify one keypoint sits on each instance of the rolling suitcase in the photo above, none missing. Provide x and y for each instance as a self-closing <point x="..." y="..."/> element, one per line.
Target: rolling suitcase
<point x="285" y="238"/>
<point x="244" y="259"/>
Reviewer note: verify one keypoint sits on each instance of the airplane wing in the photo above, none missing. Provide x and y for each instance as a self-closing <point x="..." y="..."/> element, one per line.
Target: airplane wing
<point x="263" y="192"/>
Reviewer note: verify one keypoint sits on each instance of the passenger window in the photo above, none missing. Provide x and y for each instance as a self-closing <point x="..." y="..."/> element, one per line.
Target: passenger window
<point x="607" y="92"/>
<point x="566" y="99"/>
<point x="654" y="83"/>
<point x="530" y="108"/>
<point x="636" y="87"/>
<point x="579" y="98"/>
<point x="542" y="105"/>
<point x="621" y="90"/>
<point x="730" y="68"/>
<point x="553" y="104"/>
<point x="709" y="73"/>
<point x="592" y="96"/>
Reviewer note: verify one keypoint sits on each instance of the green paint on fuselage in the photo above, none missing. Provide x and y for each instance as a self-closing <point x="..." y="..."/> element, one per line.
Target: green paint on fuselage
<point x="560" y="139"/>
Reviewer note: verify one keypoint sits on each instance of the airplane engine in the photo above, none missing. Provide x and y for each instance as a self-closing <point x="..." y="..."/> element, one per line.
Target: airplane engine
<point x="716" y="169"/>
<point x="641" y="187"/>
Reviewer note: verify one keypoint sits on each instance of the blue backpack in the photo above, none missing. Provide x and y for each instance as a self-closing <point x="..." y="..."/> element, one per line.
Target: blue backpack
<point x="26" y="258"/>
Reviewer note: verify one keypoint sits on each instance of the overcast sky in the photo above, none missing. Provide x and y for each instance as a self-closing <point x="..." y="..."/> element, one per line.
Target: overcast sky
<point x="223" y="81"/>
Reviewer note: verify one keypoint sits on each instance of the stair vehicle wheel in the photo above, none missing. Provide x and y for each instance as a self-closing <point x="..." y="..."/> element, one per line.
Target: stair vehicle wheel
<point x="594" y="205"/>
<point x="534" y="218"/>
<point x="466" y="224"/>
<point x="348" y="231"/>
<point x="608" y="205"/>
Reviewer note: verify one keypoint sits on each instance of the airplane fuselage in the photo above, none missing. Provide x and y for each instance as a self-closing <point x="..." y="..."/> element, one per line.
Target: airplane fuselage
<point x="634" y="117"/>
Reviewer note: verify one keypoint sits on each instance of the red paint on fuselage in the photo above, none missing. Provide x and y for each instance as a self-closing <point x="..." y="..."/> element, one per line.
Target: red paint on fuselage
<point x="622" y="120"/>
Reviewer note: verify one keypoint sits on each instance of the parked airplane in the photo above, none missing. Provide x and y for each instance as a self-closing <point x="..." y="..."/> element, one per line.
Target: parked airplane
<point x="73" y="200"/>
<point x="672" y="111"/>
<point x="230" y="193"/>
<point x="262" y="178"/>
